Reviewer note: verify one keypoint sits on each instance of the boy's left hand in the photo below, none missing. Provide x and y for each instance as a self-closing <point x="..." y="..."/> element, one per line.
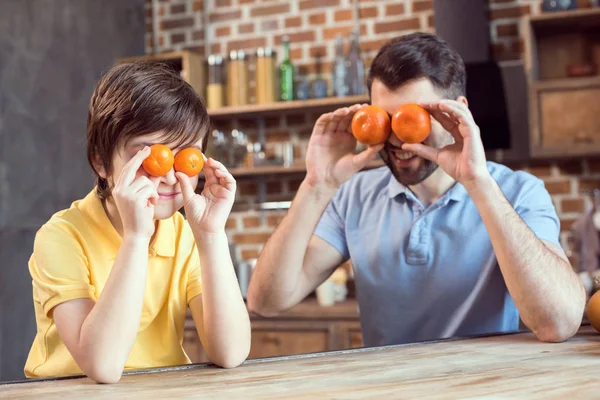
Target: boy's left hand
<point x="208" y="212"/>
<point x="464" y="160"/>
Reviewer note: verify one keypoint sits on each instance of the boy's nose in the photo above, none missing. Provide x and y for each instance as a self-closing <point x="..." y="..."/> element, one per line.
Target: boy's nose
<point x="170" y="178"/>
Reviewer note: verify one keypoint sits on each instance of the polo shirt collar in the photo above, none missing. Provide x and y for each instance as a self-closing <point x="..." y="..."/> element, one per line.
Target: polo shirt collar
<point x="456" y="193"/>
<point x="163" y="243"/>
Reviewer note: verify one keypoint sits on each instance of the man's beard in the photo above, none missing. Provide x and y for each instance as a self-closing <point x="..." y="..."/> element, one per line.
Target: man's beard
<point x="409" y="176"/>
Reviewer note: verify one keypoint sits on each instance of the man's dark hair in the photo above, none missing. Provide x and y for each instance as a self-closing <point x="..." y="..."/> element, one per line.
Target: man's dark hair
<point x="420" y="55"/>
<point x="136" y="99"/>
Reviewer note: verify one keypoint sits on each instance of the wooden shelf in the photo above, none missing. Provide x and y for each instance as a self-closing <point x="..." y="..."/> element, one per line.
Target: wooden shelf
<point x="280" y="170"/>
<point x="583" y="18"/>
<point x="566" y="83"/>
<point x="298" y="106"/>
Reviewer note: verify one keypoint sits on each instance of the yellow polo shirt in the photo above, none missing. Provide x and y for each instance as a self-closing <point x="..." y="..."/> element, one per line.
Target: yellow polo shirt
<point x="73" y="254"/>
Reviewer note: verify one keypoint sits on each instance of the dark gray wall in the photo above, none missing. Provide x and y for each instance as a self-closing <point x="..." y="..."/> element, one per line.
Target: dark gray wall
<point x="52" y="53"/>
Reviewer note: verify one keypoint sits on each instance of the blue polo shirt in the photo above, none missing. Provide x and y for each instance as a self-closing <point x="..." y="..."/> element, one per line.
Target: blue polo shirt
<point x="424" y="273"/>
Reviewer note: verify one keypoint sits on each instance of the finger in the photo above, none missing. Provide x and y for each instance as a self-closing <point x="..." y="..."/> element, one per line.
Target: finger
<point x="447" y="123"/>
<point x="226" y="179"/>
<point x="361" y="159"/>
<point x="463" y="116"/>
<point x="422" y="150"/>
<point x="345" y="125"/>
<point x="139" y="183"/>
<point x="130" y="169"/>
<point x="321" y="123"/>
<point x="186" y="186"/>
<point x="148" y="194"/>
<point x="338" y="115"/>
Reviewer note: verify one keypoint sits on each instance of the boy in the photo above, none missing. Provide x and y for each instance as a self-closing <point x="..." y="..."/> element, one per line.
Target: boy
<point x="114" y="273"/>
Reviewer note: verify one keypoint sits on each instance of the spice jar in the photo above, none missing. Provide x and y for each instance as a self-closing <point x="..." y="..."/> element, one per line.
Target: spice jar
<point x="265" y="75"/>
<point x="237" y="79"/>
<point x="214" y="89"/>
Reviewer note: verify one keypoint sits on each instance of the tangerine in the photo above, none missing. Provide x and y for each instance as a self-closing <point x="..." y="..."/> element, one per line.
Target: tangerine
<point x="160" y="161"/>
<point x="371" y="125"/>
<point x="189" y="161"/>
<point x="411" y="123"/>
<point x="593" y="311"/>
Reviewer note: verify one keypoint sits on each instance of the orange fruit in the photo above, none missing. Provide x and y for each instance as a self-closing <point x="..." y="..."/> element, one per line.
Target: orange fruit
<point x="371" y="125"/>
<point x="160" y="161"/>
<point x="411" y="123"/>
<point x="189" y="161"/>
<point x="593" y="311"/>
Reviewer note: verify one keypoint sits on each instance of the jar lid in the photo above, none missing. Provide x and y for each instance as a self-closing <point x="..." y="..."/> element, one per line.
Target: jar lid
<point x="265" y="52"/>
<point x="215" y="59"/>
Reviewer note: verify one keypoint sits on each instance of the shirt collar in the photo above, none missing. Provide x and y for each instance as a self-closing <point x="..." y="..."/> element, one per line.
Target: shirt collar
<point x="164" y="239"/>
<point x="456" y="193"/>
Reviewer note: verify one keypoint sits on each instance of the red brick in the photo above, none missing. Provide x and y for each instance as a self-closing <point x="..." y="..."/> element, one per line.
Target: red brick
<point x="422" y="5"/>
<point x="274" y="220"/>
<point x="198" y="35"/>
<point x="373" y="45"/>
<point x="247" y="1"/>
<point x="566" y="224"/>
<point x="318" y="51"/>
<point x="308" y="4"/>
<point x="517" y="46"/>
<point x="162" y="11"/>
<point x="231" y="223"/>
<point x="270" y="10"/>
<point x="215" y="48"/>
<point x="177" y="38"/>
<point x="223" y="31"/>
<point x="331" y="33"/>
<point x="504" y="30"/>
<point x="342" y="15"/>
<point x="431" y="21"/>
<point x="296" y="53"/>
<point x="250" y="238"/>
<point x="225" y="16"/>
<point x="149" y="13"/>
<point x="223" y="3"/>
<point x="246" y="28"/>
<point x="317" y="19"/>
<point x="541" y="171"/>
<point x="305" y="36"/>
<point x="398" y="26"/>
<point x="293" y="22"/>
<point x="314" y="68"/>
<point x="249" y="254"/>
<point x="572" y="206"/>
<point x="251" y="222"/>
<point x="148" y="27"/>
<point x="368" y="12"/>
<point x="510" y="12"/>
<point x="245" y="44"/>
<point x="570" y="167"/>
<point x="176" y="23"/>
<point x="178" y="8"/>
<point x="269" y="25"/>
<point x="558" y="187"/>
<point x="589" y="184"/>
<point x="198" y="6"/>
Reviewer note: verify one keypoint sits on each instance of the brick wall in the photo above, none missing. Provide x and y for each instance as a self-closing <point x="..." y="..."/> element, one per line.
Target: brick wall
<point x="312" y="27"/>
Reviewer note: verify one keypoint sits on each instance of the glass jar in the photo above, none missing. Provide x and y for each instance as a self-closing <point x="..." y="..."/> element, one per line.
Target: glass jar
<point x="237" y="79"/>
<point x="265" y="75"/>
<point x="214" y="89"/>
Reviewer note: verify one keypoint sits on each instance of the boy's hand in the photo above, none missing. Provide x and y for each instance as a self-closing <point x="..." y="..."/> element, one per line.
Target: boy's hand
<point x="331" y="158"/>
<point x="208" y="212"/>
<point x="135" y="198"/>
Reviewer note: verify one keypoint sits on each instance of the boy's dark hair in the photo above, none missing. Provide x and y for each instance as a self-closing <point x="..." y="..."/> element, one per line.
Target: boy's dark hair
<point x="141" y="98"/>
<point x="420" y="55"/>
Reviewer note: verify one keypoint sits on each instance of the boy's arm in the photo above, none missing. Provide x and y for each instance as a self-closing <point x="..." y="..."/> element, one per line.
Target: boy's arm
<point x="100" y="336"/>
<point x="219" y="312"/>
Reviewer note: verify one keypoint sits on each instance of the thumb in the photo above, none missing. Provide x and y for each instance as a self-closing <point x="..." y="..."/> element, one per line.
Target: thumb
<point x="421" y="150"/>
<point x="361" y="159"/>
<point x="186" y="187"/>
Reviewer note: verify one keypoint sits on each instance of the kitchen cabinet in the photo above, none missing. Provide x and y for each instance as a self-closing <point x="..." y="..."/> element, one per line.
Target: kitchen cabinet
<point x="564" y="82"/>
<point x="306" y="328"/>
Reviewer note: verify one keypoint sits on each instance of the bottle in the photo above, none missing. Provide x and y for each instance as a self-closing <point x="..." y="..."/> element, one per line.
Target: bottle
<point x="237" y="79"/>
<point x="340" y="88"/>
<point x="215" y="82"/>
<point x="286" y="73"/>
<point x="265" y="75"/>
<point x="355" y="79"/>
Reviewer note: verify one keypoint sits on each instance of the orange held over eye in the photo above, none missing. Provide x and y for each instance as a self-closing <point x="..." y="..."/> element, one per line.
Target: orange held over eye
<point x="189" y="161"/>
<point x="160" y="161"/>
<point x="411" y="123"/>
<point x="371" y="125"/>
<point x="593" y="311"/>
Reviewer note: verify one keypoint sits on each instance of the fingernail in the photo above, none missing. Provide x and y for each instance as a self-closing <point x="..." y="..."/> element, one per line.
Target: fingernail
<point x="145" y="148"/>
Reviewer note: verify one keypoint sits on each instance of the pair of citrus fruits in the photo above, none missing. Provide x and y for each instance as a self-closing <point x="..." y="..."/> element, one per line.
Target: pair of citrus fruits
<point x="371" y="125"/>
<point x="160" y="161"/>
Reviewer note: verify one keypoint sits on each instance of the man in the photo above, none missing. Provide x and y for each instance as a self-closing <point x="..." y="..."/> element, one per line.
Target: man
<point x="442" y="242"/>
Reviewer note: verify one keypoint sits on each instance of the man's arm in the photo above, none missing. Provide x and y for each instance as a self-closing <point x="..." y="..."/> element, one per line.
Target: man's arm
<point x="538" y="275"/>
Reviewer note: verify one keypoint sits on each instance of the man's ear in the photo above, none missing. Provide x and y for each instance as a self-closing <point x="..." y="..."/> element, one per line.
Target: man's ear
<point x="463" y="99"/>
<point x="99" y="166"/>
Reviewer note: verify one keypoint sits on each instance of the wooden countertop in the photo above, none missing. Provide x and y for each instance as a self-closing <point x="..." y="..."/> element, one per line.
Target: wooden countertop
<point x="501" y="365"/>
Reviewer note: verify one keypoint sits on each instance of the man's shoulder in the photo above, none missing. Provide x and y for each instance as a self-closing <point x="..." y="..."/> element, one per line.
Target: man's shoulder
<point x="513" y="179"/>
<point x="367" y="181"/>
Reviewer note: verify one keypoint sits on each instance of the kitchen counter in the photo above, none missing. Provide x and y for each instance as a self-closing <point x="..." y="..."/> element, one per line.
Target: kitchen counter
<point x="500" y="365"/>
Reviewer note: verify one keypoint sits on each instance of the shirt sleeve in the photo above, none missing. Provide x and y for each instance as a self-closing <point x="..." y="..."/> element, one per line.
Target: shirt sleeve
<point x="59" y="267"/>
<point x="537" y="210"/>
<point x="194" y="280"/>
<point x="331" y="227"/>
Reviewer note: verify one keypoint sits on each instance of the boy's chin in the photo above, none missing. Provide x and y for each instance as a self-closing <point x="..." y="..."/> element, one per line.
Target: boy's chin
<point x="165" y="211"/>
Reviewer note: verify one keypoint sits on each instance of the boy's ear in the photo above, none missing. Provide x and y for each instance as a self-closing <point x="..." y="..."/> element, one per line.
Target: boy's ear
<point x="99" y="167"/>
<point x="463" y="99"/>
